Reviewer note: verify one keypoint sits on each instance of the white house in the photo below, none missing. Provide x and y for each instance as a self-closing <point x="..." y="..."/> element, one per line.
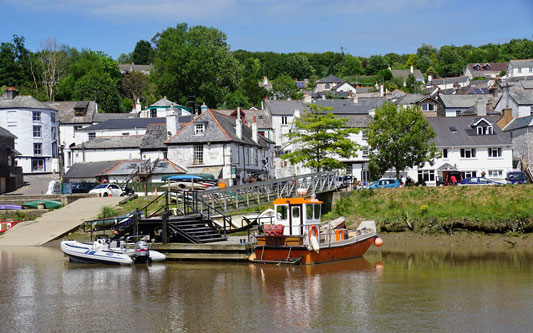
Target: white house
<point x="159" y="109"/>
<point x="487" y="70"/>
<point x="35" y="126"/>
<point x="520" y="68"/>
<point x="446" y="83"/>
<point x="220" y="145"/>
<point x="519" y="101"/>
<point x="465" y="105"/>
<point x="471" y="145"/>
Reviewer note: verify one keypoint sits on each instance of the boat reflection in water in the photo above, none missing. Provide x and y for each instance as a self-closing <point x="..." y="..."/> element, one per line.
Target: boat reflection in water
<point x="296" y="295"/>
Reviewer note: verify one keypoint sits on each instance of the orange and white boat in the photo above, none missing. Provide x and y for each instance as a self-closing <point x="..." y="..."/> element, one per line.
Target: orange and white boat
<point x="6" y="225"/>
<point x="296" y="236"/>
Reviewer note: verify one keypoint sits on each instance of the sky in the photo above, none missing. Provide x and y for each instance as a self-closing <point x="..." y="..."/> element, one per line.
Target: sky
<point x="360" y="27"/>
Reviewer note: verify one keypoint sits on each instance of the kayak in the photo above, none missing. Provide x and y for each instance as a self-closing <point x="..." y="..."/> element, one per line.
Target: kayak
<point x="2" y="207"/>
<point x="6" y="225"/>
<point x="48" y="204"/>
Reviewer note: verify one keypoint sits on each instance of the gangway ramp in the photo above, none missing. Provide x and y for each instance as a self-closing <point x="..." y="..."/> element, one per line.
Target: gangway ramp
<point x="56" y="223"/>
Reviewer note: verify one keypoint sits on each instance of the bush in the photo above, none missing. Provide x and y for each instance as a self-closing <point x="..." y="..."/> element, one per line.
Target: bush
<point x="107" y="211"/>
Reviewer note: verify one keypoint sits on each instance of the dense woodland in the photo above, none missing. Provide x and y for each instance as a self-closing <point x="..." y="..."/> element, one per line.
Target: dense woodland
<point x="195" y="64"/>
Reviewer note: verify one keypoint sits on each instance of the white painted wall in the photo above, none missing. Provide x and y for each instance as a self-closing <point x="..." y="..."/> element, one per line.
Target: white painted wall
<point x="98" y="155"/>
<point x="519" y="71"/>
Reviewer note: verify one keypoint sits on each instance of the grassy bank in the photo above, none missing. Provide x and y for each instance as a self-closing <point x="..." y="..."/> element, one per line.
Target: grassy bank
<point x="489" y="209"/>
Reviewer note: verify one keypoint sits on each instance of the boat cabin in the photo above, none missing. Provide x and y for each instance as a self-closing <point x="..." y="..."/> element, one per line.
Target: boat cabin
<point x="297" y="215"/>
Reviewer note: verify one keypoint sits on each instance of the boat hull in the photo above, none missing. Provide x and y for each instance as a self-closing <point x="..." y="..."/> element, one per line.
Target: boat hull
<point x="351" y="248"/>
<point x="79" y="252"/>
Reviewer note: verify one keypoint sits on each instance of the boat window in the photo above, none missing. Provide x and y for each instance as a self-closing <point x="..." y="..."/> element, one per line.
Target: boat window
<point x="317" y="212"/>
<point x="295" y="212"/>
<point x="309" y="211"/>
<point x="281" y="212"/>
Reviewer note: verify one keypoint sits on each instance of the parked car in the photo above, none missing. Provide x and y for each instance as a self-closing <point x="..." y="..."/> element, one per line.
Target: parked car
<point x="344" y="181"/>
<point x="440" y="181"/>
<point x="107" y="190"/>
<point x="478" y="181"/>
<point x="386" y="183"/>
<point x="516" y="177"/>
<point x="83" y="187"/>
<point x="458" y="177"/>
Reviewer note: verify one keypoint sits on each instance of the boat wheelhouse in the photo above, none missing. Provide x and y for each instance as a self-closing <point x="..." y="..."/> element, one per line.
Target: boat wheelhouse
<point x="296" y="236"/>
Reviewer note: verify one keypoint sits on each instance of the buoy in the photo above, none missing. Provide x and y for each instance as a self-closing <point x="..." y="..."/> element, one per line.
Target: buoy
<point x="314" y="244"/>
<point x="378" y="241"/>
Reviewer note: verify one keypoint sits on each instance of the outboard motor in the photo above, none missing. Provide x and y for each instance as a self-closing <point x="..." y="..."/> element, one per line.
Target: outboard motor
<point x="141" y="252"/>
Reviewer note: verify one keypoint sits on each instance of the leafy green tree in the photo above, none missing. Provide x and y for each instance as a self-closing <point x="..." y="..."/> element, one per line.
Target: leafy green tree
<point x="100" y="88"/>
<point x="351" y="66"/>
<point x="399" y="138"/>
<point x="374" y="64"/>
<point x="16" y="64"/>
<point x="235" y="99"/>
<point x="423" y="63"/>
<point x="124" y="58"/>
<point x="410" y="84"/>
<point x="426" y="50"/>
<point x="284" y="87"/>
<point x="195" y="62"/>
<point x="143" y="53"/>
<point x="431" y="71"/>
<point x="294" y="65"/>
<point x="135" y="85"/>
<point x="450" y="62"/>
<point x="384" y="75"/>
<point x="252" y="91"/>
<point x="320" y="139"/>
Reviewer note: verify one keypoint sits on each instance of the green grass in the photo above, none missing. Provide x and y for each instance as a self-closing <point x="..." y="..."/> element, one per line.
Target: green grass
<point x="442" y="209"/>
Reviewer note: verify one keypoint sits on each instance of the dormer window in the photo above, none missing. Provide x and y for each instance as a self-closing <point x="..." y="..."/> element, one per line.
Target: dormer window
<point x="199" y="129"/>
<point x="477" y="67"/>
<point x="486" y="67"/>
<point x="79" y="112"/>
<point x="484" y="130"/>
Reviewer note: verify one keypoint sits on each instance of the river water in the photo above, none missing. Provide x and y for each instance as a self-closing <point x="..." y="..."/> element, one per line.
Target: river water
<point x="422" y="291"/>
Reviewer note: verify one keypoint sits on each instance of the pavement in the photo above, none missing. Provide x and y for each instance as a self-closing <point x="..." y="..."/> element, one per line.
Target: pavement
<point x="56" y="223"/>
<point x="35" y="184"/>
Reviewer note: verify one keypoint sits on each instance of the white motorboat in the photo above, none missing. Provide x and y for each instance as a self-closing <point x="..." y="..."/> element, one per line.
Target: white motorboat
<point x="95" y="253"/>
<point x="116" y="252"/>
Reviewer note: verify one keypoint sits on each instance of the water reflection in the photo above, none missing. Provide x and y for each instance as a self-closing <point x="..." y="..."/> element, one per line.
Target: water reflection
<point x="386" y="291"/>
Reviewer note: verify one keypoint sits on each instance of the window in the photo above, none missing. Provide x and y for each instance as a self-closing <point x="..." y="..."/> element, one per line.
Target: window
<point x="365" y="151"/>
<point x="428" y="107"/>
<point x="531" y="70"/>
<point x="495" y="152"/>
<point x="125" y="134"/>
<point x="249" y="150"/>
<point x="37" y="165"/>
<point x="364" y="137"/>
<point x="426" y="175"/>
<point x="199" y="129"/>
<point x="77" y="127"/>
<point x="519" y="70"/>
<point x="237" y="155"/>
<point x="37" y="149"/>
<point x="469" y="174"/>
<point x="53" y="117"/>
<point x="295" y="212"/>
<point x="284" y="120"/>
<point x="37" y="131"/>
<point x="54" y="133"/>
<point x="468" y="152"/>
<point x="198" y="152"/>
<point x="481" y="130"/>
<point x="79" y="112"/>
<point x="495" y="173"/>
<point x="445" y="153"/>
<point x="36" y="116"/>
<point x="281" y="212"/>
<point x="54" y="150"/>
<point x="92" y="135"/>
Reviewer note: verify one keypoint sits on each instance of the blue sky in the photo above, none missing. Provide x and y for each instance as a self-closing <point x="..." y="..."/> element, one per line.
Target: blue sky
<point x="363" y="28"/>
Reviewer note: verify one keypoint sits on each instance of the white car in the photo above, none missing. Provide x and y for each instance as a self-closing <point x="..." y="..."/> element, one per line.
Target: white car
<point x="107" y="190"/>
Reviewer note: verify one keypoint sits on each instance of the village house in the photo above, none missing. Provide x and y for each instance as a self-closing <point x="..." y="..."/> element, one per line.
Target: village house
<point x="428" y="105"/>
<point x="474" y="146"/>
<point x="403" y="74"/>
<point x="486" y="70"/>
<point x="520" y="131"/>
<point x="466" y="105"/>
<point x="264" y="121"/>
<point x="11" y="176"/>
<point x="35" y="126"/>
<point x="220" y="145"/>
<point x="519" y="101"/>
<point x="334" y="85"/>
<point x="446" y="83"/>
<point x="160" y="108"/>
<point x="520" y="68"/>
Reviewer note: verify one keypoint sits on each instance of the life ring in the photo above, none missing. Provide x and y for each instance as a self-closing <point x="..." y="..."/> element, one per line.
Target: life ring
<point x="313" y="227"/>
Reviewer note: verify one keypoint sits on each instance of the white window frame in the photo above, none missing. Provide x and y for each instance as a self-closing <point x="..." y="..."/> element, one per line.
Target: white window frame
<point x="365" y="151"/>
<point x="52" y="117"/>
<point x="426" y="175"/>
<point x="199" y="129"/>
<point x="428" y="109"/>
<point x="37" y="131"/>
<point x="198" y="154"/>
<point x="363" y="136"/>
<point x="92" y="135"/>
<point x="445" y="153"/>
<point x="41" y="165"/>
<point x="495" y="173"/>
<point x="37" y="148"/>
<point x="468" y="153"/>
<point x="36" y="116"/>
<point x="495" y="152"/>
<point x="284" y="120"/>
<point x="469" y="174"/>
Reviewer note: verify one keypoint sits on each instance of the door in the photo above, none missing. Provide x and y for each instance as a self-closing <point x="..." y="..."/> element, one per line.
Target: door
<point x="296" y="220"/>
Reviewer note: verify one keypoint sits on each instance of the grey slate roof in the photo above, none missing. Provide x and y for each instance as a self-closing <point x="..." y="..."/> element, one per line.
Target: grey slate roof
<point x="340" y="106"/>
<point x="263" y="118"/>
<point x="527" y="84"/>
<point x="522" y="97"/>
<point x="463" y="101"/>
<point x="23" y="102"/>
<point x="67" y="115"/>
<point x="120" y="167"/>
<point x="125" y="123"/>
<point x="100" y="117"/>
<point x="404" y="73"/>
<point x="410" y="99"/>
<point x="522" y="63"/>
<point x="518" y="123"/>
<point x="447" y="80"/>
<point x="357" y="120"/>
<point x="465" y="136"/>
<point x="218" y="128"/>
<point x="111" y="142"/>
<point x="5" y="133"/>
<point x="127" y="68"/>
<point x="331" y="79"/>
<point x="155" y="137"/>
<point x="163" y="102"/>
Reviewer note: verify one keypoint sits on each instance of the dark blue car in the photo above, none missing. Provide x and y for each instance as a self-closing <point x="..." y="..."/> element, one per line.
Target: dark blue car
<point x="516" y="177"/>
<point x="478" y="181"/>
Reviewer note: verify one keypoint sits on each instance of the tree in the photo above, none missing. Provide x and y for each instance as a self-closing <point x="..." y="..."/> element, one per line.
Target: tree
<point x="124" y="58"/>
<point x="235" y="99"/>
<point x="284" y="87"/>
<point x="423" y="63"/>
<point x="143" y="53"/>
<point x="135" y="85"/>
<point x="450" y="61"/>
<point x="410" y="84"/>
<point x="294" y="65"/>
<point x="195" y="62"/>
<point x="374" y="64"/>
<point x="252" y="91"/>
<point x="320" y="139"/>
<point x="351" y="66"/>
<point x="399" y="138"/>
<point x="53" y="61"/>
<point x="100" y="88"/>
<point x="16" y="64"/>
